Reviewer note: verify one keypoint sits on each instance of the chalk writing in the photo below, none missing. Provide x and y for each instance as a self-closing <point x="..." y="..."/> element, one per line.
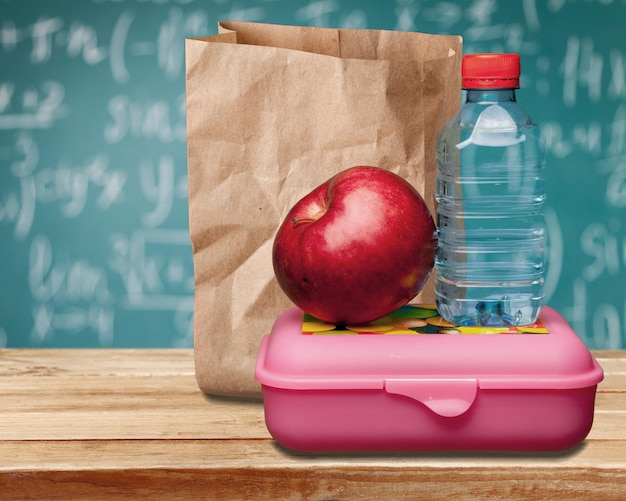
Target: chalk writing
<point x="584" y="67"/>
<point x="597" y="318"/>
<point x="49" y="321"/>
<point x="608" y="250"/>
<point x="67" y="282"/>
<point x="69" y="184"/>
<point x="33" y="107"/>
<point x="617" y="144"/>
<point x="93" y="213"/>
<point x="166" y="45"/>
<point x="597" y="325"/>
<point x="118" y="43"/>
<point x="41" y="32"/>
<point x="160" y="187"/>
<point x="316" y="13"/>
<point x="171" y="32"/>
<point x="19" y="206"/>
<point x="616" y="185"/>
<point x="46" y="34"/>
<point x="68" y="295"/>
<point x="158" y="119"/>
<point x="66" y="184"/>
<point x="78" y="40"/>
<point x="154" y="271"/>
<point x="598" y="138"/>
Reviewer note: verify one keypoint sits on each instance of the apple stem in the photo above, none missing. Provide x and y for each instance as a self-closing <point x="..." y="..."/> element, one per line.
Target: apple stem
<point x="310" y="217"/>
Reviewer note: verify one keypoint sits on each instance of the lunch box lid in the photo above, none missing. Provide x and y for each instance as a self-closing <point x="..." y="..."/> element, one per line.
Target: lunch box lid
<point x="444" y="369"/>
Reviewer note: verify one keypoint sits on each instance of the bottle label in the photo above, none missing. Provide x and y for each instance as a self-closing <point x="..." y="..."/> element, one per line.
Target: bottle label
<point x="494" y="118"/>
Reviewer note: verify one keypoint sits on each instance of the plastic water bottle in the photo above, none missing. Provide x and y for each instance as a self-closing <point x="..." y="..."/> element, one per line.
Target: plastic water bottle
<point x="490" y="196"/>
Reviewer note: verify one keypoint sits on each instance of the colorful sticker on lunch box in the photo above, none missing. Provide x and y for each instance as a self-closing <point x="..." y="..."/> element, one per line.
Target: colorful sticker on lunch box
<point x="409" y="320"/>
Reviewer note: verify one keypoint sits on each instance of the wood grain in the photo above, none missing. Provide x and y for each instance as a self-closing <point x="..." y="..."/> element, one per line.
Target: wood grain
<point x="132" y="424"/>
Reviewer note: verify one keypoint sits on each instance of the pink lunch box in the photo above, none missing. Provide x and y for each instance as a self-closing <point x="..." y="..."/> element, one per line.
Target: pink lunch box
<point x="410" y="381"/>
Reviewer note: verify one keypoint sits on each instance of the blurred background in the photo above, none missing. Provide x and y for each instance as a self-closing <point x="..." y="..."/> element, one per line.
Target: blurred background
<point x="94" y="247"/>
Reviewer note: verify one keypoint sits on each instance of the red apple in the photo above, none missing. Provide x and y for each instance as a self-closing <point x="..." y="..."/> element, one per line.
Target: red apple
<point x="356" y="248"/>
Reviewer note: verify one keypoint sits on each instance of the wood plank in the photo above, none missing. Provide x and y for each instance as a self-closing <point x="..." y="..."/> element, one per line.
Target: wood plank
<point x="152" y="408"/>
<point x="614" y="372"/>
<point x="217" y="421"/>
<point x="608" y="425"/>
<point x="122" y="362"/>
<point x="56" y="455"/>
<point x="35" y="394"/>
<point x="119" y="362"/>
<point x="610" y="402"/>
<point x="609" y="354"/>
<point x="257" y="469"/>
<point x="132" y="424"/>
<point x="64" y="395"/>
<point x="115" y="425"/>
<point x="244" y="423"/>
<point x="144" y="408"/>
<point x="344" y="484"/>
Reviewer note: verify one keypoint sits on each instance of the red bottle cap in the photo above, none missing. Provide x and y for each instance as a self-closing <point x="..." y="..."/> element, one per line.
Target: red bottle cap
<point x="491" y="71"/>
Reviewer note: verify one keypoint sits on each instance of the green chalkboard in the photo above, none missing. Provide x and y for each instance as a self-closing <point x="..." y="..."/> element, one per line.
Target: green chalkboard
<point x="94" y="248"/>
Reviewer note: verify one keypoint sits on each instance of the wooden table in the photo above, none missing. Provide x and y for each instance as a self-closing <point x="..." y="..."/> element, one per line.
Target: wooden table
<point x="132" y="424"/>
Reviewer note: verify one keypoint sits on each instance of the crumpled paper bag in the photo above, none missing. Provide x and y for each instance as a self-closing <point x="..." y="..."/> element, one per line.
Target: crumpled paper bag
<point x="272" y="112"/>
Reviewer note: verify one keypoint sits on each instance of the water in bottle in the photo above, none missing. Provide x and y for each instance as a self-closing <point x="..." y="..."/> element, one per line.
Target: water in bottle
<point x="490" y="196"/>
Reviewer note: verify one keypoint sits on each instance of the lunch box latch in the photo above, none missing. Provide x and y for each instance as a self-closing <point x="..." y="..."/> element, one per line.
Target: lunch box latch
<point x="445" y="397"/>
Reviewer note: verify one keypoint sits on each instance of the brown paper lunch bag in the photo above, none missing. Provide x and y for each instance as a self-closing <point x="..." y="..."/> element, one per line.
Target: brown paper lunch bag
<point x="272" y="112"/>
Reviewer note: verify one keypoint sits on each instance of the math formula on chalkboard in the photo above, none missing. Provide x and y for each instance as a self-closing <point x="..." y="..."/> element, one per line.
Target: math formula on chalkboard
<point x="94" y="245"/>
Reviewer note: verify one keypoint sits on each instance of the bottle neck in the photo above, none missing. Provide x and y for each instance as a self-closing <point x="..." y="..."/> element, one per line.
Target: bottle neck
<point x="494" y="95"/>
